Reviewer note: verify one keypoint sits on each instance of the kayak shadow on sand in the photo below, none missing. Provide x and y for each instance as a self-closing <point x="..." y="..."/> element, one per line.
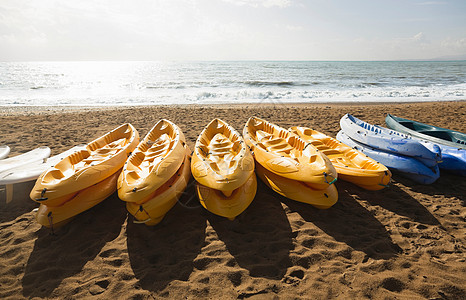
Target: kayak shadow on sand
<point x="349" y="222"/>
<point x="260" y="239"/>
<point x="57" y="257"/>
<point x="448" y="185"/>
<point x="165" y="252"/>
<point x="400" y="202"/>
<point x="20" y="202"/>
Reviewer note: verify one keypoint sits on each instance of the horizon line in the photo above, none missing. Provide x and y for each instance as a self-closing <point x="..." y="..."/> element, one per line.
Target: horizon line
<point x="243" y="60"/>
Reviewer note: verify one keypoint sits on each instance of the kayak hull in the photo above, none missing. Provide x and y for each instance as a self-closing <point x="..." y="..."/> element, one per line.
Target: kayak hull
<point x="228" y="206"/>
<point x="388" y="140"/>
<point x="55" y="216"/>
<point x="221" y="160"/>
<point x="99" y="160"/>
<point x="406" y="165"/>
<point x="427" y="132"/>
<point x="152" y="211"/>
<point x="351" y="165"/>
<point x="4" y="151"/>
<point x="297" y="190"/>
<point x="284" y="153"/>
<point x="155" y="160"/>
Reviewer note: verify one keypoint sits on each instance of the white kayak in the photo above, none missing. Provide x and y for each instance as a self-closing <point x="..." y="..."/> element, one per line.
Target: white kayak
<point x="32" y="170"/>
<point x="38" y="154"/>
<point x="4" y="151"/>
<point x="389" y="140"/>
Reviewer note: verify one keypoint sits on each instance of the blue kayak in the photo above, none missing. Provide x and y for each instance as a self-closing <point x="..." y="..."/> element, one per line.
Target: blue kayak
<point x="453" y="154"/>
<point x="390" y="140"/>
<point x="407" y="166"/>
<point x="453" y="160"/>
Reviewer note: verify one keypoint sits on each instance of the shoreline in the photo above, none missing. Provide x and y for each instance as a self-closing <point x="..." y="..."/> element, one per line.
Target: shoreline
<point x="6" y="110"/>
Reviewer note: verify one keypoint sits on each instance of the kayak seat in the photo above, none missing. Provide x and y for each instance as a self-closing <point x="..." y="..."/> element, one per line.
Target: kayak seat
<point x="221" y="151"/>
<point x="409" y="125"/>
<point x="53" y="174"/>
<point x="274" y="144"/>
<point x="330" y="152"/>
<point x="438" y="134"/>
<point x="369" y="165"/>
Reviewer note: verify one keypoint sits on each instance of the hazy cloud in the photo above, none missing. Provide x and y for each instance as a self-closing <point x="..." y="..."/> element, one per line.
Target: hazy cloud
<point x="294" y="27"/>
<point x="432" y="3"/>
<point x="258" y="3"/>
<point x="205" y="29"/>
<point x="457" y="46"/>
<point x="420" y="37"/>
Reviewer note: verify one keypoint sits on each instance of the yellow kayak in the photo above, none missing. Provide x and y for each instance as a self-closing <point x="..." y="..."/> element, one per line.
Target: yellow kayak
<point x="152" y="211"/>
<point x="297" y="190"/>
<point x="99" y="160"/>
<point x="284" y="153"/>
<point x="156" y="159"/>
<point x="221" y="160"/>
<point x="228" y="207"/>
<point x="54" y="216"/>
<point x="351" y="165"/>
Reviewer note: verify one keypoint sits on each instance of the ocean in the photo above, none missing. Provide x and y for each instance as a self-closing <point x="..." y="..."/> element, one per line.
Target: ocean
<point x="122" y="83"/>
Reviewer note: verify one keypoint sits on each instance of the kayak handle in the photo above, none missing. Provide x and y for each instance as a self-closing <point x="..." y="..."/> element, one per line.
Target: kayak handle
<point x="326" y="181"/>
<point x="142" y="222"/>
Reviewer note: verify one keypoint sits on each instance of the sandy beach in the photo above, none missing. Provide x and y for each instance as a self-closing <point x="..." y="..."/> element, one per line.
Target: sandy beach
<point x="407" y="241"/>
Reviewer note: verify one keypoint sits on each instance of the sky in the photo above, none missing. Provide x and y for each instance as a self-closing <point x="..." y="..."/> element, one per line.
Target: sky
<point x="49" y="30"/>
